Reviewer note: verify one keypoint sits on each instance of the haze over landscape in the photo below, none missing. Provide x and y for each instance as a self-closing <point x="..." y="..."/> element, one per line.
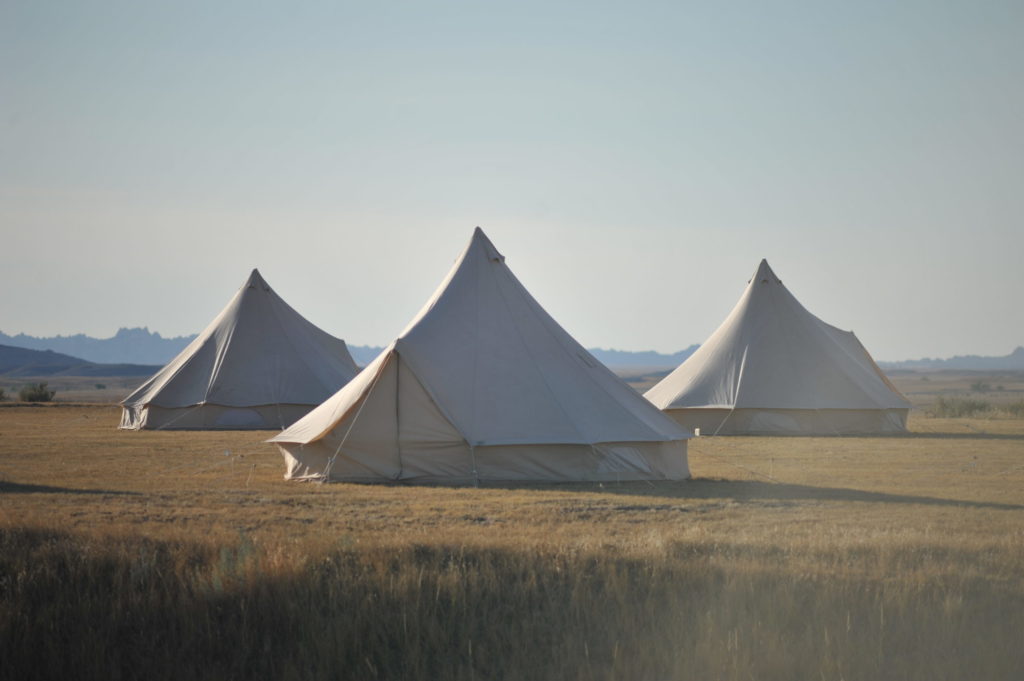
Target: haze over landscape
<point x="762" y="502"/>
<point x="144" y="347"/>
<point x="633" y="163"/>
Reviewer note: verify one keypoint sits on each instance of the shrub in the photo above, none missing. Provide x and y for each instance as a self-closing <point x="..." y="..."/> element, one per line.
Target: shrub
<point x="36" y="392"/>
<point x="960" y="407"/>
<point x="101" y="386"/>
<point x="980" y="387"/>
<point x="2" y="395"/>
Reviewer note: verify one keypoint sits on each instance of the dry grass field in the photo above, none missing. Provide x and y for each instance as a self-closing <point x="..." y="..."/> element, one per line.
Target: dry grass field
<point x="104" y="389"/>
<point x="165" y="555"/>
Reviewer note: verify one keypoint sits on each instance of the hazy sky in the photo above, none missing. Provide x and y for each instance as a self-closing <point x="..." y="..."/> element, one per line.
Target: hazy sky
<point x="633" y="161"/>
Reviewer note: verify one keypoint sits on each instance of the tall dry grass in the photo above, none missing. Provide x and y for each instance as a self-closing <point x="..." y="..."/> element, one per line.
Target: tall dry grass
<point x="90" y="607"/>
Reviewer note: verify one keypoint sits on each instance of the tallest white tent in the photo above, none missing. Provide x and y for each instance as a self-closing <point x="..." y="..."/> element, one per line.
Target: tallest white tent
<point x="484" y="385"/>
<point x="772" y="367"/>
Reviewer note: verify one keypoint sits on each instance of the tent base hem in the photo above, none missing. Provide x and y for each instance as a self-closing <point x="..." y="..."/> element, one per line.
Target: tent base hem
<point x="715" y="421"/>
<point x="212" y="417"/>
<point x="457" y="464"/>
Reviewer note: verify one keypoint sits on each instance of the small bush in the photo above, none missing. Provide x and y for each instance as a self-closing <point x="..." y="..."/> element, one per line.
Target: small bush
<point x="36" y="392"/>
<point x="101" y="386"/>
<point x="960" y="407"/>
<point x="2" y="395"/>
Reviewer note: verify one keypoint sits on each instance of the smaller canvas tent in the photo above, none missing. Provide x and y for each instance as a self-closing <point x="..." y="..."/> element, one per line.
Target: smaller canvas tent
<point x="258" y="365"/>
<point x="483" y="385"/>
<point x="772" y="367"/>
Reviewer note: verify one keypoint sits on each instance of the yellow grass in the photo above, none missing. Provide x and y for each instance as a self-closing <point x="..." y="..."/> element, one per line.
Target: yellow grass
<point x="184" y="555"/>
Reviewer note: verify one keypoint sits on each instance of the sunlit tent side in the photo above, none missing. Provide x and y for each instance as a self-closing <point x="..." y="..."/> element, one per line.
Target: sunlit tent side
<point x="258" y="365"/>
<point x="772" y="367"/>
<point x="483" y="385"/>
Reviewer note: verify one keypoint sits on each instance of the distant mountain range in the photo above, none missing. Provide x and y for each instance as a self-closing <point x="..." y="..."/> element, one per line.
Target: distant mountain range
<point x="21" y="362"/>
<point x="644" y="359"/>
<point x="1011" y="362"/>
<point x="131" y="346"/>
<point x="140" y="346"/>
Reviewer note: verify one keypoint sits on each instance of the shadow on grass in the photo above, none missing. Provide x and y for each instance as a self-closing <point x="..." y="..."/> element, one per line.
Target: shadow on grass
<point x="916" y="435"/>
<point x="751" y="490"/>
<point x="972" y="435"/>
<point x="7" y="487"/>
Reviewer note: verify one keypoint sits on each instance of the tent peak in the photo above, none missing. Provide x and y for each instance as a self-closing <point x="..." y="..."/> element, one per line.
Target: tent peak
<point x="256" y="280"/>
<point x="764" y="274"/>
<point x="479" y="238"/>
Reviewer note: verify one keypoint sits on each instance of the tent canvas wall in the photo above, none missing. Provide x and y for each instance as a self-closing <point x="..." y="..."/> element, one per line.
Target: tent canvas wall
<point x="258" y="365"/>
<point x="483" y="385"/>
<point x="772" y="367"/>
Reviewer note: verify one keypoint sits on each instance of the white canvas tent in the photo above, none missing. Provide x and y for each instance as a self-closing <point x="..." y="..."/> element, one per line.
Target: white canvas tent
<point x="258" y="365"/>
<point x="772" y="367"/>
<point x="483" y="385"/>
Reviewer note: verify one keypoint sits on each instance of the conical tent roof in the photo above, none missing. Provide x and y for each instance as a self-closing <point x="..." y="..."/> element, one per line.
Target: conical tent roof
<point x="257" y="351"/>
<point x="771" y="353"/>
<point x="497" y="370"/>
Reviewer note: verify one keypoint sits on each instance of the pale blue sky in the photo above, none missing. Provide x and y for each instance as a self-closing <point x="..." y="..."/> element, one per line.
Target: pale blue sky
<point x="634" y="162"/>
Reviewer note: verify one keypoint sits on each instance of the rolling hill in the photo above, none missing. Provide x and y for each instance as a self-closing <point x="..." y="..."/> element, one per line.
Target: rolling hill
<point x="22" y="362"/>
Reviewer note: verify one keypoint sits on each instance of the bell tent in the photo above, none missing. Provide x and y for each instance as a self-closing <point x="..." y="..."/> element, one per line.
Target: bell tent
<point x="772" y="367"/>
<point x="258" y="365"/>
<point x="483" y="385"/>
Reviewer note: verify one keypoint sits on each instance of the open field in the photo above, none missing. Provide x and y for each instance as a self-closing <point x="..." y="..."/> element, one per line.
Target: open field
<point x="93" y="389"/>
<point x="184" y="555"/>
<point x="922" y="388"/>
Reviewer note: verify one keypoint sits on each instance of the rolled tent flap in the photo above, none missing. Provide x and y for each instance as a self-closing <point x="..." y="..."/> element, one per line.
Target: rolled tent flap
<point x="339" y="406"/>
